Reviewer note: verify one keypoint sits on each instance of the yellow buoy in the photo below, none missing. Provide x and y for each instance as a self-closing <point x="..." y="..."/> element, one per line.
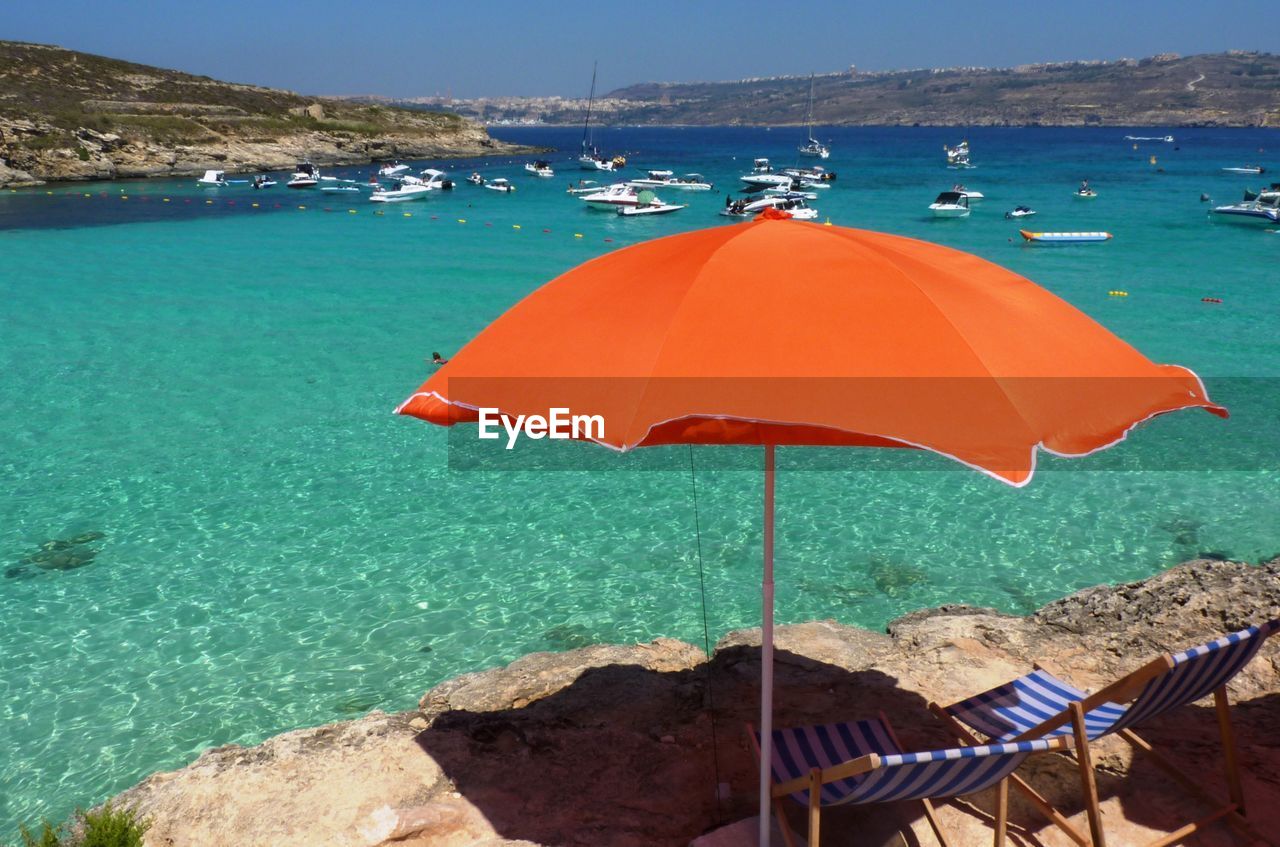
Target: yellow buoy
<point x="1153" y="160"/>
<point x="255" y="205"/>
<point x="165" y="199"/>
<point x="302" y="207"/>
<point x="577" y="235"/>
<point x="408" y="214"/>
<point x="349" y="211"/>
<point x="1118" y="293"/>
<point x="462" y="220"/>
<point x="88" y="195"/>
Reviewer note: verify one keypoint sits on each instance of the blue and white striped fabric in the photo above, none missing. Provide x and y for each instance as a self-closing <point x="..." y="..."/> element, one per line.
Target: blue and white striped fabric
<point x="1018" y="706"/>
<point x="900" y="776"/>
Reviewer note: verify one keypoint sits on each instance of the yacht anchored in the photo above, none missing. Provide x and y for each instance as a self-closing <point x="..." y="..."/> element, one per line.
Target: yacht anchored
<point x="590" y="158"/>
<point x="613" y="196"/>
<point x="762" y="176"/>
<point x="812" y="147"/>
<point x="539" y="168"/>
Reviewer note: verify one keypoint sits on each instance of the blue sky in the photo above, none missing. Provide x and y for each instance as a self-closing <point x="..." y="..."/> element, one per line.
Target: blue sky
<point x="468" y="49"/>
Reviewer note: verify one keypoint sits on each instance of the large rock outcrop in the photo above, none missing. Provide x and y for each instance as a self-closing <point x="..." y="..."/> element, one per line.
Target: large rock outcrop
<point x="625" y="745"/>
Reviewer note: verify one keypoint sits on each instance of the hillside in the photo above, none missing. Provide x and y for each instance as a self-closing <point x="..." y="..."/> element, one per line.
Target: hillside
<point x="1221" y="89"/>
<point x="1224" y="89"/>
<point x="70" y="115"/>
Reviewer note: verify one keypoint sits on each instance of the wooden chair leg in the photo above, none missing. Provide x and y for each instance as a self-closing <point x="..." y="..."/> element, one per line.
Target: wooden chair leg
<point x="815" y="806"/>
<point x="1002" y="811"/>
<point x="1045" y="808"/>
<point x="1087" y="783"/>
<point x="932" y="817"/>
<point x="1223" y="708"/>
<point x="788" y="835"/>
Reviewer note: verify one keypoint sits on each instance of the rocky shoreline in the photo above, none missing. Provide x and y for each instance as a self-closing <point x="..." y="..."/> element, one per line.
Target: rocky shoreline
<point x="98" y="155"/>
<point x="625" y="745"/>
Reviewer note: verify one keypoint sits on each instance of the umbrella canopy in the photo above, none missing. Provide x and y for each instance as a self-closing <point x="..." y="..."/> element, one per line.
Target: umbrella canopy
<point x="778" y="332"/>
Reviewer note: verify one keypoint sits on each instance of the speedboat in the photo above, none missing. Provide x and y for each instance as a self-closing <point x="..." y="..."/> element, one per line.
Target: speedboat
<point x="1083" y="193"/>
<point x="392" y="169"/>
<point x="263" y="181"/>
<point x="1249" y="212"/>
<point x="790" y="191"/>
<point x="584" y="186"/>
<point x="213" y="178"/>
<point x="817" y="173"/>
<point x="653" y="178"/>
<point x="305" y="175"/>
<point x="765" y="178"/>
<point x="651" y="209"/>
<point x="1267" y="195"/>
<point x="1248" y="169"/>
<point x="405" y="188"/>
<point x="690" y="182"/>
<point x="434" y="179"/>
<point x="475" y="179"/>
<point x="970" y="195"/>
<point x="539" y="168"/>
<point x="500" y="184"/>
<point x="950" y="204"/>
<point x="958" y="156"/>
<point x="328" y="189"/>
<point x="613" y="196"/>
<point x="1020" y="212"/>
<point x="1168" y="139"/>
<point x="747" y="207"/>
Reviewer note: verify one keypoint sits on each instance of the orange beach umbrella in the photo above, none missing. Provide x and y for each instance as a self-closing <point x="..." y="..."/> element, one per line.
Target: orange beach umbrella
<point x="778" y="332"/>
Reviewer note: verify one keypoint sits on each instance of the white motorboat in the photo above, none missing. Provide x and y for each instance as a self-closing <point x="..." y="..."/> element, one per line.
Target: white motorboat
<point x="950" y="204"/>
<point x="539" y="168"/>
<point x="1270" y="195"/>
<point x="1248" y="169"/>
<point x="405" y="188"/>
<point x="475" y="179"/>
<point x="612" y="196"/>
<point x="330" y="189"/>
<point x="958" y="156"/>
<point x="666" y="179"/>
<point x="433" y="179"/>
<point x="648" y="204"/>
<point x="305" y="175"/>
<point x="1248" y="212"/>
<point x="1168" y="139"/>
<point x="392" y="169"/>
<point x="747" y="207"/>
<point x="263" y="181"/>
<point x="584" y="186"/>
<point x="790" y="191"/>
<point x="500" y="184"/>
<point x="653" y="178"/>
<point x="1084" y="193"/>
<point x="1020" y="212"/>
<point x="812" y="147"/>
<point x="970" y="195"/>
<point x="757" y="179"/>
<point x="212" y="178"/>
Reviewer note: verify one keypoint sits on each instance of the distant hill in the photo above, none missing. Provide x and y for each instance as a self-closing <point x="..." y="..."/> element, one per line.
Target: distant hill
<point x="70" y="115"/>
<point x="1223" y="89"/>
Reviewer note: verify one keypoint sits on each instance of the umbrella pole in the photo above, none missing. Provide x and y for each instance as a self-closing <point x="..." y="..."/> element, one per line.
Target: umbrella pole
<point x="766" y="653"/>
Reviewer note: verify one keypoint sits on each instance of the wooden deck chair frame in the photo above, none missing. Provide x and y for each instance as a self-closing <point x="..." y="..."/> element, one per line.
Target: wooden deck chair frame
<point x="1125" y="690"/>
<point x="864" y="764"/>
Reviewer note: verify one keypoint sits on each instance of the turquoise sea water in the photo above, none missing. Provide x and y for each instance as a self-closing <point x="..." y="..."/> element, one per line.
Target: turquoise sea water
<point x="208" y="386"/>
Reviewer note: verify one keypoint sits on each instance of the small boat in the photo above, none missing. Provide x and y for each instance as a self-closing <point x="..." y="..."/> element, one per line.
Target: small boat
<point x="1248" y="212"/>
<point x="1248" y="169"/>
<point x="333" y="188"/>
<point x="213" y="178"/>
<point x="690" y="182"/>
<point x="405" y="188"/>
<point x="262" y="181"/>
<point x="1064" y="237"/>
<point x="613" y="196"/>
<point x="950" y="204"/>
<point x="1085" y="194"/>
<point x="1020" y="212"/>
<point x="1267" y="195"/>
<point x="500" y="184"/>
<point x="539" y="168"/>
<point x="970" y="195"/>
<point x="584" y="186"/>
<point x="653" y="178"/>
<point x="433" y="179"/>
<point x="747" y="207"/>
<point x="648" y="204"/>
<point x="305" y="175"/>
<point x="475" y="179"/>
<point x="812" y="146"/>
<point x="392" y="169"/>
<point x="762" y="175"/>
<point x="817" y="173"/>
<point x="790" y="191"/>
<point x="1168" y="139"/>
<point x="958" y="156"/>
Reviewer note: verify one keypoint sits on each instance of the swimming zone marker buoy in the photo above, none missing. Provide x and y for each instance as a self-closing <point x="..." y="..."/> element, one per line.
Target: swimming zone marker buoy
<point x="1118" y="293"/>
<point x="1210" y="299"/>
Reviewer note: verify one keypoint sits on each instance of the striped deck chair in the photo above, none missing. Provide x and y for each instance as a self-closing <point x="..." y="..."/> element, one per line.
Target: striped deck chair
<point x="862" y="762"/>
<point x="1040" y="705"/>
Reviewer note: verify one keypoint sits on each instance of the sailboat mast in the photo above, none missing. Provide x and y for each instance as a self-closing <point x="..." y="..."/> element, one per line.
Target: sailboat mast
<point x="586" y="126"/>
<point x="809" y="118"/>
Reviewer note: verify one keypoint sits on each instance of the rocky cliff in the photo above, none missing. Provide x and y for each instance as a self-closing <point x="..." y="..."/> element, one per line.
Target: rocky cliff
<point x="68" y="116"/>
<point x="625" y="745"/>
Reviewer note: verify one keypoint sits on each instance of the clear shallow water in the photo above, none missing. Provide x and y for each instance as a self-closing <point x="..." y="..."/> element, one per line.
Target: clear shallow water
<point x="209" y="386"/>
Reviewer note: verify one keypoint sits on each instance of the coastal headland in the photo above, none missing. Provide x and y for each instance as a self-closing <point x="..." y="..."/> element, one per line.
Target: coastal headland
<point x="66" y="115"/>
<point x="625" y="745"/>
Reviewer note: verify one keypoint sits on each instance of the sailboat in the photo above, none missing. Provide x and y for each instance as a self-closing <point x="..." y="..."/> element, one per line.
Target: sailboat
<point x="591" y="159"/>
<point x="813" y="147"/>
